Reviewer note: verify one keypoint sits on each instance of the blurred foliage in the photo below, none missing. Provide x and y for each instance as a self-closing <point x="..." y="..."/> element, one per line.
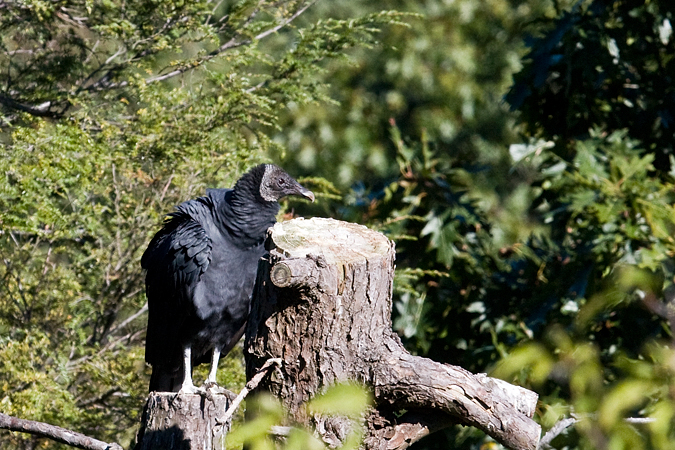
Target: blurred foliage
<point x="265" y="415"/>
<point x="603" y="63"/>
<point x="445" y="75"/>
<point x="599" y="386"/>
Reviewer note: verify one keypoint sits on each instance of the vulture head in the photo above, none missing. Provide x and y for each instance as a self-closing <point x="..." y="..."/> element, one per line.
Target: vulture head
<point x="276" y="184"/>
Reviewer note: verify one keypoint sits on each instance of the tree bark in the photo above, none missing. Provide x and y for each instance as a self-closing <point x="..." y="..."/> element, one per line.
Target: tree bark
<point x="184" y="421"/>
<point x="322" y="304"/>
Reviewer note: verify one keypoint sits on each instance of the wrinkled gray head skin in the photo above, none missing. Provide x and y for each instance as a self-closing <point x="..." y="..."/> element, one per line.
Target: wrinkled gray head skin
<point x="277" y="184"/>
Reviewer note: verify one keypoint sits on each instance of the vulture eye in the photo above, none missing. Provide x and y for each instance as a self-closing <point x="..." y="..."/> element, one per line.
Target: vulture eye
<point x="281" y="182"/>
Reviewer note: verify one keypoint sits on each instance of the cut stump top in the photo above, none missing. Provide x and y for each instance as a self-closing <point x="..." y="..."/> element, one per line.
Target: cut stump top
<point x="335" y="240"/>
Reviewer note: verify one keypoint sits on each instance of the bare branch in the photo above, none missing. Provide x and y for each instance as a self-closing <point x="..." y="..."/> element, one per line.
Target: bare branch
<point x="252" y="384"/>
<point x="272" y="30"/>
<point x="112" y="57"/>
<point x="639" y="420"/>
<point x="563" y="424"/>
<point x="502" y="410"/>
<point x="166" y="188"/>
<point x="232" y="43"/>
<point x="129" y="319"/>
<point x="555" y="431"/>
<point x="55" y="433"/>
<point x="99" y="398"/>
<point x="41" y="110"/>
<point x="409" y="428"/>
<point x="213" y="11"/>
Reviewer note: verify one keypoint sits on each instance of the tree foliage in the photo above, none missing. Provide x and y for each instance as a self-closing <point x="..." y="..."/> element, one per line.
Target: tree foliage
<point x="608" y="64"/>
<point x="535" y="242"/>
<point x="113" y="112"/>
<point x="445" y="74"/>
<point x="548" y="253"/>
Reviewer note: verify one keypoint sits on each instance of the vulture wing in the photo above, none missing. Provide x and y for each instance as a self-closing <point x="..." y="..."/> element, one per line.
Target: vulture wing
<point x="175" y="261"/>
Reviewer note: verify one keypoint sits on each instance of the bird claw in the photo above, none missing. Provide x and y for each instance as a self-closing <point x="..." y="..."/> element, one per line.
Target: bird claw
<point x="209" y="384"/>
<point x="191" y="389"/>
<point x="213" y="387"/>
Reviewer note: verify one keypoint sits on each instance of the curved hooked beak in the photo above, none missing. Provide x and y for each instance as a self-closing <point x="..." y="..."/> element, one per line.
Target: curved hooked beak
<point x="303" y="191"/>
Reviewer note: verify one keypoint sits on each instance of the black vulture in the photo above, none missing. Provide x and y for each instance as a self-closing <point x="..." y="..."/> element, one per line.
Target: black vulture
<point x="201" y="268"/>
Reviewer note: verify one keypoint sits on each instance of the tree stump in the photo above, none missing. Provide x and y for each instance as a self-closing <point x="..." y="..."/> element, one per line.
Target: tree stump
<point x="184" y="421"/>
<point x="322" y="304"/>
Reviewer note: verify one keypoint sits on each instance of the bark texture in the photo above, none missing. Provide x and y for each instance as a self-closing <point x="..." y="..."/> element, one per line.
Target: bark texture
<point x="184" y="421"/>
<point x="322" y="305"/>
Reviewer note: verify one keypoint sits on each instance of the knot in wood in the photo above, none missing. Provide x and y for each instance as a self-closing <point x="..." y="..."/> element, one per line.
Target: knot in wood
<point x="281" y="275"/>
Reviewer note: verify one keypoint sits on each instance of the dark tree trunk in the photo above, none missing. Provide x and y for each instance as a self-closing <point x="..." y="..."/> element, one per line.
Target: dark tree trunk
<point x="174" y="421"/>
<point x="322" y="305"/>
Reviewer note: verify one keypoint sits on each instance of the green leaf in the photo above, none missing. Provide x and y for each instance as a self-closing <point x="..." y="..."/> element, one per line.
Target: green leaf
<point x="345" y="399"/>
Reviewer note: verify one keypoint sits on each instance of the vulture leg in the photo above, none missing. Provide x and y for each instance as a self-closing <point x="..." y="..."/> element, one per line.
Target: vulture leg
<point x="211" y="379"/>
<point x="188" y="387"/>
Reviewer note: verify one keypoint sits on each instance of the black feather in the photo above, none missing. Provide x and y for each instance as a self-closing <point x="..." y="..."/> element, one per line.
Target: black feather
<point x="201" y="267"/>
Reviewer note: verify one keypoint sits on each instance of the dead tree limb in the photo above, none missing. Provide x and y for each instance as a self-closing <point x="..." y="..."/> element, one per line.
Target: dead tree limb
<point x="55" y="433"/>
<point x="250" y="385"/>
<point x="555" y="431"/>
<point x="322" y="305"/>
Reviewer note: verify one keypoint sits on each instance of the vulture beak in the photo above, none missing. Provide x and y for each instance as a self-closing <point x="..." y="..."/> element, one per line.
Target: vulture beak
<point x="303" y="191"/>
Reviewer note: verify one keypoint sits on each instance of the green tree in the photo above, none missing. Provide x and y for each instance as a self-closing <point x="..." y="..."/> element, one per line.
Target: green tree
<point x="562" y="241"/>
<point x="596" y="85"/>
<point x="113" y="112"/>
<point x="537" y="241"/>
<point x="608" y="64"/>
<point x="445" y="76"/>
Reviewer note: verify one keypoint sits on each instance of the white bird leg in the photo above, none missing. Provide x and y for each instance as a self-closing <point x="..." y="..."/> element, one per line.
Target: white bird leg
<point x="187" y="387"/>
<point x="211" y="379"/>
